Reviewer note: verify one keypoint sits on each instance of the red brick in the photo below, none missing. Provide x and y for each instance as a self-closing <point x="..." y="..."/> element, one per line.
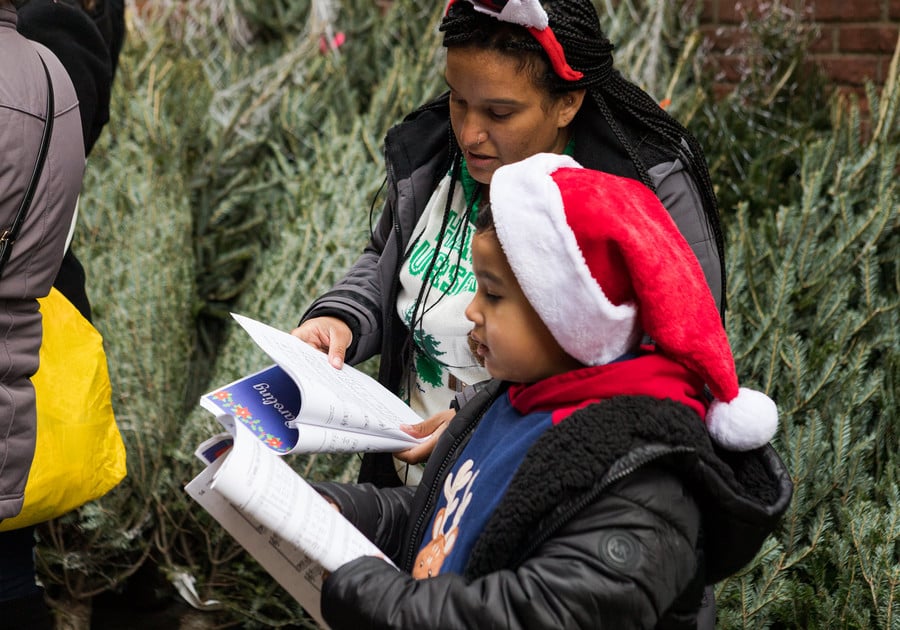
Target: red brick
<point x="846" y="10"/>
<point x="851" y="70"/>
<point x="872" y="39"/>
<point x="855" y="40"/>
<point x="708" y="10"/>
<point x="826" y="42"/>
<point x="728" y="13"/>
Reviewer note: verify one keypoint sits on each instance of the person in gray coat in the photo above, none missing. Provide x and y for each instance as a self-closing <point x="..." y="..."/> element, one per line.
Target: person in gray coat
<point x="28" y="275"/>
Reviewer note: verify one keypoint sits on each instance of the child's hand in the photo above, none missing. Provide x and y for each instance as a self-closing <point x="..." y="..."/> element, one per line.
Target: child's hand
<point x="432" y="427"/>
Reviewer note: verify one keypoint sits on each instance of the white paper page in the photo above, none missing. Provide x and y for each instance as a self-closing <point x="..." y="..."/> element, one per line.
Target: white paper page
<point x="342" y="398"/>
<point x="295" y="571"/>
<point x="261" y="484"/>
<point x="311" y="439"/>
<point x="317" y="439"/>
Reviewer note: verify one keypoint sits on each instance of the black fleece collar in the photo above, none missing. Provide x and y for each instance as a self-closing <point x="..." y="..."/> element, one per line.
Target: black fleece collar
<point x="581" y="456"/>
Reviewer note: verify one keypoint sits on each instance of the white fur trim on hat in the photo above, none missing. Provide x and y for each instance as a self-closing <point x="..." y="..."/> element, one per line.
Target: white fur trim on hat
<point x="528" y="211"/>
<point x="746" y="422"/>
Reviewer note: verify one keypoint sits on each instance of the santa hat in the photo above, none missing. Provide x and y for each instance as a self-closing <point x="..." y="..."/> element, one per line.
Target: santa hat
<point x="602" y="262"/>
<point x="531" y="15"/>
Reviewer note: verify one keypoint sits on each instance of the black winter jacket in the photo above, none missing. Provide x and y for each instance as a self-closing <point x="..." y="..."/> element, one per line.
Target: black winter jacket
<point x="616" y="518"/>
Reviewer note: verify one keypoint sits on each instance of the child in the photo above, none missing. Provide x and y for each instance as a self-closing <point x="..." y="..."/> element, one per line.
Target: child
<point x="591" y="484"/>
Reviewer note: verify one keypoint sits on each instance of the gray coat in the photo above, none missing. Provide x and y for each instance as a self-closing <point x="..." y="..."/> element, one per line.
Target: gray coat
<point x="37" y="254"/>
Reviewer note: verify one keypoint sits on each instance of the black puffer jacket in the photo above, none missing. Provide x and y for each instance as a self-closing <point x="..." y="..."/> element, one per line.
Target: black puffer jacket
<point x="616" y="518"/>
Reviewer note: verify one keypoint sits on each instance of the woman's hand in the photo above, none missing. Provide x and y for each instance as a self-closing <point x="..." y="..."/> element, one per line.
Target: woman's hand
<point x="433" y="427"/>
<point x="327" y="334"/>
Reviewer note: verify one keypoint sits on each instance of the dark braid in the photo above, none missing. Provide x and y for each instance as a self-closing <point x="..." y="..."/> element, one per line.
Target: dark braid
<point x="418" y="309"/>
<point x="635" y="119"/>
<point x="419" y="306"/>
<point x="628" y="145"/>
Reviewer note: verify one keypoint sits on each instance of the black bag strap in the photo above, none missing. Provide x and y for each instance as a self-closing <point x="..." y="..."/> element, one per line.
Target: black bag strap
<point x="10" y="234"/>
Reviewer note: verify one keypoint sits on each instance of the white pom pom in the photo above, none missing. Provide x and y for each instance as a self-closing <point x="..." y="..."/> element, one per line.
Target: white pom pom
<point x="747" y="422"/>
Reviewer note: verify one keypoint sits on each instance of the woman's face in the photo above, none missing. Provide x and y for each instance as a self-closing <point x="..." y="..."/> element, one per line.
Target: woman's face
<point x="497" y="113"/>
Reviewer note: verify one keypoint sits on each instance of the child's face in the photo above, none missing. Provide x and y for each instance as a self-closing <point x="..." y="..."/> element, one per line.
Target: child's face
<point x="509" y="337"/>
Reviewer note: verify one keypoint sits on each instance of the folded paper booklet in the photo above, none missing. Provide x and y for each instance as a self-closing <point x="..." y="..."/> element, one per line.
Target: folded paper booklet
<point x="275" y="515"/>
<point x="303" y="405"/>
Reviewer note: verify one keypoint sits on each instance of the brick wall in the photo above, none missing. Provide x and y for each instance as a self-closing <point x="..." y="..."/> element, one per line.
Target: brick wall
<point x="856" y="38"/>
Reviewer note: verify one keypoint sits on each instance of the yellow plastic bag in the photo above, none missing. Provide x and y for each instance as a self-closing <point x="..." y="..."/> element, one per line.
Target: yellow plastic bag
<point x="79" y="454"/>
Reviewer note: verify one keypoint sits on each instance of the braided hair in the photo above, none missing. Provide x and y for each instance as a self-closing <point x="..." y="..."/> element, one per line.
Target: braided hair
<point x="635" y="119"/>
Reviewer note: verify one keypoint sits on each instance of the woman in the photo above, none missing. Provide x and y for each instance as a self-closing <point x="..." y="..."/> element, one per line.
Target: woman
<point x="524" y="77"/>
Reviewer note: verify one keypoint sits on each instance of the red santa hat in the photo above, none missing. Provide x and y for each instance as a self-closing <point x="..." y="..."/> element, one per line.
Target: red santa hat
<point x="531" y="15"/>
<point x="602" y="262"/>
